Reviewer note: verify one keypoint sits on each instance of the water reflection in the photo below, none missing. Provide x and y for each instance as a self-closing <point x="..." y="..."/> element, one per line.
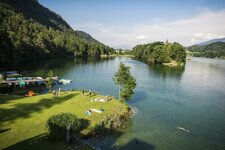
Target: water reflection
<point x="91" y="60"/>
<point x="162" y="71"/>
<point x="166" y="71"/>
<point x="164" y="99"/>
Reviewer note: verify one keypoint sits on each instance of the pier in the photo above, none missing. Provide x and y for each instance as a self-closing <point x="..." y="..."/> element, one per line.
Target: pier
<point x="27" y="81"/>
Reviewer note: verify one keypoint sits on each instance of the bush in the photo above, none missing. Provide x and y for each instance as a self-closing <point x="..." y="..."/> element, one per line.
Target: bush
<point x="58" y="124"/>
<point x="110" y="123"/>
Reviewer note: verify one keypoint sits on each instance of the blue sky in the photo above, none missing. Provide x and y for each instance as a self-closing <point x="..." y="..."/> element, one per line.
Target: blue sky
<point x="125" y="23"/>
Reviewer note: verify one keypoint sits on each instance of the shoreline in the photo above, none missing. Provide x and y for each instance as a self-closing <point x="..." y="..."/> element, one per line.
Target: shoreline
<point x="174" y="64"/>
<point x="116" y="55"/>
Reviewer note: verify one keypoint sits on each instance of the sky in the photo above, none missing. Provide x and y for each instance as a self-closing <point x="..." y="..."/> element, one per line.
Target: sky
<point x="126" y="23"/>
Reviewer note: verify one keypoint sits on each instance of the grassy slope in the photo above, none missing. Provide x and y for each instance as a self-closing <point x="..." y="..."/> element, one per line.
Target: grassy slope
<point x="23" y="119"/>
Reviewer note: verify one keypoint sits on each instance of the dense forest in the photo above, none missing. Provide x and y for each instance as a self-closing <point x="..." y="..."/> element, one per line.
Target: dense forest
<point x="212" y="50"/>
<point x="160" y="52"/>
<point x="30" y="32"/>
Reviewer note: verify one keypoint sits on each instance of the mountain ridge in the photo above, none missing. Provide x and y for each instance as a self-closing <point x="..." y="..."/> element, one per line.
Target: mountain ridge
<point x="212" y="50"/>
<point x="210" y="41"/>
<point x="86" y="36"/>
<point x="31" y="32"/>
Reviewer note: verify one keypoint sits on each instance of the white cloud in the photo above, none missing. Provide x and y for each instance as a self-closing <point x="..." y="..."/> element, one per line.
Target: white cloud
<point x="198" y="35"/>
<point x="193" y="40"/>
<point x="210" y="36"/>
<point x="205" y="36"/>
<point x="142" y="37"/>
<point x="204" y="26"/>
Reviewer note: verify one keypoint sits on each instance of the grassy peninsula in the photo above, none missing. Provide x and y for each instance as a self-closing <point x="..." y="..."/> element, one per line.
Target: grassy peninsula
<point x="23" y="119"/>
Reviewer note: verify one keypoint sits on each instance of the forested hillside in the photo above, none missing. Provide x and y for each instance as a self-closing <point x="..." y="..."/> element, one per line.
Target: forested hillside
<point x="160" y="52"/>
<point x="30" y="32"/>
<point x="212" y="50"/>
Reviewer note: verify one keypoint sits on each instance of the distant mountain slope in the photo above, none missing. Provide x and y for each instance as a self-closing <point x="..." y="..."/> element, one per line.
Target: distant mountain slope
<point x="33" y="32"/>
<point x="216" y="49"/>
<point x="32" y="9"/>
<point x="211" y="41"/>
<point x="86" y="36"/>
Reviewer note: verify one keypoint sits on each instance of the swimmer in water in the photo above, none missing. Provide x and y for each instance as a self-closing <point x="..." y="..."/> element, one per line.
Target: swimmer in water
<point x="185" y="130"/>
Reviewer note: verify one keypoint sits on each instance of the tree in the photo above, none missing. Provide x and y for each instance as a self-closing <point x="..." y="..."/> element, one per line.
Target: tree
<point x="49" y="83"/>
<point x="159" y="52"/>
<point x="178" y="52"/>
<point x="6" y="52"/>
<point x="125" y="81"/>
<point x="63" y="125"/>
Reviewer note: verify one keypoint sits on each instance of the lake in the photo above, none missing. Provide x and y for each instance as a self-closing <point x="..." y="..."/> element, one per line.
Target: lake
<point x="192" y="97"/>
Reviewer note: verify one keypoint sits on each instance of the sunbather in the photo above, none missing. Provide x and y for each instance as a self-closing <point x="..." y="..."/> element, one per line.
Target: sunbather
<point x="99" y="100"/>
<point x="89" y="112"/>
<point x="95" y="110"/>
<point x="54" y="92"/>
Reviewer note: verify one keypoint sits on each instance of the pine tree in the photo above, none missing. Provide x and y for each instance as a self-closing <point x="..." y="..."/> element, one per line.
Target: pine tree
<point x="49" y="83"/>
<point x="125" y="81"/>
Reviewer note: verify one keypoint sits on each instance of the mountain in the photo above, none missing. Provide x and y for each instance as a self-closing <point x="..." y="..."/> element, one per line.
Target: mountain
<point x="211" y="41"/>
<point x="123" y="46"/>
<point x="86" y="36"/>
<point x="33" y="10"/>
<point x="212" y="50"/>
<point x="30" y="32"/>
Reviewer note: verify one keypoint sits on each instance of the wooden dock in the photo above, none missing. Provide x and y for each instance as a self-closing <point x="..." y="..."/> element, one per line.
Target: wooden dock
<point x="29" y="82"/>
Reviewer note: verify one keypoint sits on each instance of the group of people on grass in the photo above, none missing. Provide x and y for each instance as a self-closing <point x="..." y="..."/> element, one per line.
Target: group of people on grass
<point x="57" y="93"/>
<point x="106" y="99"/>
<point x="89" y="93"/>
<point x="90" y="111"/>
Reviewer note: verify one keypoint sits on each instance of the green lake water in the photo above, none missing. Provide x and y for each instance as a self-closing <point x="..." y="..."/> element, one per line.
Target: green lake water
<point x="192" y="97"/>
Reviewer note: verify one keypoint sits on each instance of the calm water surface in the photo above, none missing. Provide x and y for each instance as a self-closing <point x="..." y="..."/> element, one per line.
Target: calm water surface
<point x="192" y="97"/>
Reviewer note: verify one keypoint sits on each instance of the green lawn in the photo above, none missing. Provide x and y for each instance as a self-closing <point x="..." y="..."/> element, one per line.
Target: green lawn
<point x="23" y="119"/>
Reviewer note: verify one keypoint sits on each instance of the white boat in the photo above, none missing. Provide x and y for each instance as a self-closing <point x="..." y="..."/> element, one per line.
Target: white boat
<point x="39" y="78"/>
<point x="65" y="81"/>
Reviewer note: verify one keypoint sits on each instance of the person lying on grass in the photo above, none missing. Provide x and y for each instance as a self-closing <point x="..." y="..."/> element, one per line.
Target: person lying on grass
<point x="106" y="99"/>
<point x="89" y="112"/>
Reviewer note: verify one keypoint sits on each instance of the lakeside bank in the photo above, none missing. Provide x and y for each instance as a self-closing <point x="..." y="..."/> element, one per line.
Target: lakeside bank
<point x="23" y="119"/>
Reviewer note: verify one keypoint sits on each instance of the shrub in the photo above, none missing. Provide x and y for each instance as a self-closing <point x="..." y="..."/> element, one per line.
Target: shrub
<point x="110" y="123"/>
<point x="57" y="125"/>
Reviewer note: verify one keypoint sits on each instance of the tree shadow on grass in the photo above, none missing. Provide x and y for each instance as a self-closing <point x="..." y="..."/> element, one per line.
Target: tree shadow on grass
<point x="4" y="130"/>
<point x="24" y="110"/>
<point x="7" y="98"/>
<point x="36" y="143"/>
<point x="43" y="141"/>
